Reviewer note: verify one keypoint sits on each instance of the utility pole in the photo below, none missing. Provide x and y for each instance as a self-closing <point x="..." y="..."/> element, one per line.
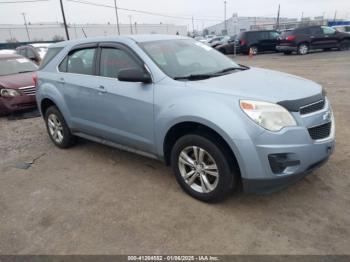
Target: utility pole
<point x="25" y="23"/>
<point x="64" y="20"/>
<point x="130" y="24"/>
<point x="302" y="16"/>
<point x="335" y="16"/>
<point x="278" y="18"/>
<point x="116" y="15"/>
<point x="225" y="17"/>
<point x="192" y="26"/>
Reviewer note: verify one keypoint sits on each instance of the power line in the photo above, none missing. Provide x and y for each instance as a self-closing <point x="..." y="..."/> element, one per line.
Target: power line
<point x="142" y="12"/>
<point x="22" y="1"/>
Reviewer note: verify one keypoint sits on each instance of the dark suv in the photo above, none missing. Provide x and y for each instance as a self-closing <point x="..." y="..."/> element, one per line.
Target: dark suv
<point x="302" y="40"/>
<point x="257" y="41"/>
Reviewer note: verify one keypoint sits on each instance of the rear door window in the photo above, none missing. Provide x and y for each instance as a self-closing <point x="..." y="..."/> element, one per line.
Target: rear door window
<point x="51" y="53"/>
<point x="315" y="31"/>
<point x="81" y="61"/>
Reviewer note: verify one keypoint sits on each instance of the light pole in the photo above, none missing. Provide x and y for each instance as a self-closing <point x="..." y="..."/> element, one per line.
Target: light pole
<point x="25" y="23"/>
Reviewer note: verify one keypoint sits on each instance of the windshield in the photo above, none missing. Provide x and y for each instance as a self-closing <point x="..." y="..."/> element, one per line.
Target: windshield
<point x="180" y="58"/>
<point x="10" y="66"/>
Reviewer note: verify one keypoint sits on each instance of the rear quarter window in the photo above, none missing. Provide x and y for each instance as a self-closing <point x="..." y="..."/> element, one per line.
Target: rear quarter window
<point x="51" y="53"/>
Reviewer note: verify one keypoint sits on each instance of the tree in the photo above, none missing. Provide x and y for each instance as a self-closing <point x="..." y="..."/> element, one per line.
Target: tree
<point x="12" y="40"/>
<point x="57" y="38"/>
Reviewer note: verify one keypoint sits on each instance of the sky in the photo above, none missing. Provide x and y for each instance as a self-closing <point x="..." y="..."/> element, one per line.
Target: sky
<point x="205" y="12"/>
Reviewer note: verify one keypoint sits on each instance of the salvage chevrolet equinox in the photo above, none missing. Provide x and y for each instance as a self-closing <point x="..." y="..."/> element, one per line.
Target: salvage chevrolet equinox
<point x="220" y="125"/>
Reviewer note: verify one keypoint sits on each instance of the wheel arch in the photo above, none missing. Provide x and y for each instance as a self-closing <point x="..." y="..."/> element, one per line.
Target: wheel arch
<point x="182" y="128"/>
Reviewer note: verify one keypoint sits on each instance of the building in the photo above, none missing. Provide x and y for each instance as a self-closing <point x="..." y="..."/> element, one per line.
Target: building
<point x="236" y="24"/>
<point x="50" y="31"/>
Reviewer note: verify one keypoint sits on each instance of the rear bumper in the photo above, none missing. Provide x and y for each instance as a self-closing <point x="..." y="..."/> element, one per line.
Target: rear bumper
<point x="12" y="104"/>
<point x="286" y="48"/>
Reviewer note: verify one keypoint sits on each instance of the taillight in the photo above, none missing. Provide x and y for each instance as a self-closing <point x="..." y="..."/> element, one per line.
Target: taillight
<point x="290" y="38"/>
<point x="242" y="42"/>
<point x="35" y="79"/>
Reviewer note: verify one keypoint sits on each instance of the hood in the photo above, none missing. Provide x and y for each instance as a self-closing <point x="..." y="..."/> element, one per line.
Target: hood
<point x="17" y="80"/>
<point x="260" y="84"/>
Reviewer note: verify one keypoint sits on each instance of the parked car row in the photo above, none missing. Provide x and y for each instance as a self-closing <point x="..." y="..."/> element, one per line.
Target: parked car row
<point x="17" y="89"/>
<point x="299" y="40"/>
<point x="17" y="85"/>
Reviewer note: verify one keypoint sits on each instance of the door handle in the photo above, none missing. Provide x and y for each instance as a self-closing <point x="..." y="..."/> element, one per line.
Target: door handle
<point x="102" y="89"/>
<point x="61" y="80"/>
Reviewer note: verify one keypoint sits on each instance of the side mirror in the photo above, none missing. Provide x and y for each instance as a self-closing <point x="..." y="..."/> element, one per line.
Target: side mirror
<point x="134" y="75"/>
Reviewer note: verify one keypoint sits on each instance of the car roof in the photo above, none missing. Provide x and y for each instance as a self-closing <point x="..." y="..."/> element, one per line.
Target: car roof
<point x="7" y="56"/>
<point x="126" y="38"/>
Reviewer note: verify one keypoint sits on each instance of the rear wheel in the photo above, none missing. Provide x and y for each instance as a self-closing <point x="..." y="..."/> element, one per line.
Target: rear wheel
<point x="58" y="129"/>
<point x="202" y="169"/>
<point x="254" y="50"/>
<point x="344" y="45"/>
<point x="287" y="52"/>
<point x="303" y="49"/>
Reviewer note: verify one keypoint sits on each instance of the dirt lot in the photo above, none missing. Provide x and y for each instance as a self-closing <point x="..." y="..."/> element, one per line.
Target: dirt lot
<point x="93" y="199"/>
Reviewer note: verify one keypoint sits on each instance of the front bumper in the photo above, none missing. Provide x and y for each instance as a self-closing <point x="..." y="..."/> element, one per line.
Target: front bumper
<point x="273" y="161"/>
<point x="12" y="104"/>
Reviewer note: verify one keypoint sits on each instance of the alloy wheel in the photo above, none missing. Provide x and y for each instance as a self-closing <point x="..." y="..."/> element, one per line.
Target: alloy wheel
<point x="198" y="169"/>
<point x="55" y="128"/>
<point x="303" y="49"/>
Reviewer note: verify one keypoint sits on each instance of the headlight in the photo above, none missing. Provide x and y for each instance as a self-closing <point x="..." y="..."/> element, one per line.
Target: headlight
<point x="9" y="92"/>
<point x="270" y="116"/>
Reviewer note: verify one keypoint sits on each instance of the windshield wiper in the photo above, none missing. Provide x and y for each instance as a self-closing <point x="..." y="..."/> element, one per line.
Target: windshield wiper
<point x="209" y="75"/>
<point x="25" y="71"/>
<point x="231" y="69"/>
<point x="195" y="77"/>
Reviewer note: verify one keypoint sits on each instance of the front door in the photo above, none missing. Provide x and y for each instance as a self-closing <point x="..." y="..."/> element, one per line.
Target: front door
<point x="126" y="113"/>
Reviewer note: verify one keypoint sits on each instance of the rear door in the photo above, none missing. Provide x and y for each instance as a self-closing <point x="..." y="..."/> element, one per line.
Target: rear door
<point x="264" y="41"/>
<point x="315" y="34"/>
<point x="273" y="40"/>
<point x="80" y="88"/>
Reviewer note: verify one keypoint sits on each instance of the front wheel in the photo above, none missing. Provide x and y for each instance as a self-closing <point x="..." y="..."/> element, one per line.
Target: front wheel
<point x="303" y="49"/>
<point x="58" y="129"/>
<point x="202" y="169"/>
<point x="344" y="45"/>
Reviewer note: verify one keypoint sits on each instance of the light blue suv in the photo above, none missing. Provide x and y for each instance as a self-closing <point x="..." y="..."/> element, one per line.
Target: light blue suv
<point x="220" y="125"/>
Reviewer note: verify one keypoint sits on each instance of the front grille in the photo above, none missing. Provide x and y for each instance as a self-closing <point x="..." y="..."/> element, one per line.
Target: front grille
<point x="320" y="132"/>
<point x="28" y="90"/>
<point x="313" y="107"/>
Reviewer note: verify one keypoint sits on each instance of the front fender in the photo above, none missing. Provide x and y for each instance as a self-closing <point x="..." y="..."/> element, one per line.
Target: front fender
<point x="220" y="113"/>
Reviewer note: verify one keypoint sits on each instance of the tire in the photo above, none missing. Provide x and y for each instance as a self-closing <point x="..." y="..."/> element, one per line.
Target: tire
<point x="344" y="45"/>
<point x="303" y="49"/>
<point x="221" y="180"/>
<point x="223" y="51"/>
<point x="254" y="49"/>
<point x="327" y="49"/>
<point x="287" y="52"/>
<point x="58" y="129"/>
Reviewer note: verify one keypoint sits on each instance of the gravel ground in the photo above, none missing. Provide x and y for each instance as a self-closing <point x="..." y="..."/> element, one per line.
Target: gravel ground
<point x="93" y="199"/>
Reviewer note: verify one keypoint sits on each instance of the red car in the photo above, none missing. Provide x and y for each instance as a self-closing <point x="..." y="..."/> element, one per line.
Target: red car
<point x="17" y="88"/>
